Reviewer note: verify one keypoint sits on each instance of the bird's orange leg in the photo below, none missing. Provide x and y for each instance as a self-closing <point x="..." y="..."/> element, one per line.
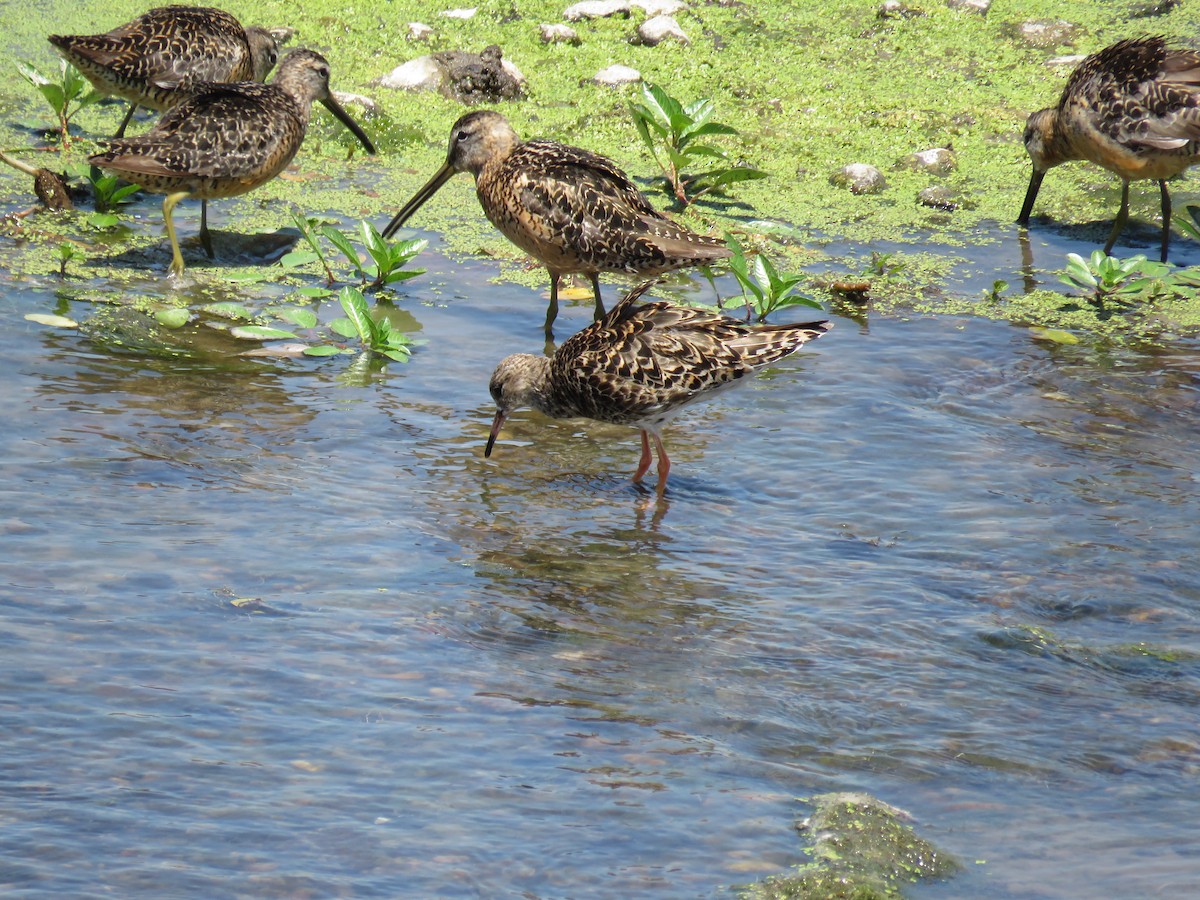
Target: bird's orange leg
<point x="644" y="462"/>
<point x="664" y="465"/>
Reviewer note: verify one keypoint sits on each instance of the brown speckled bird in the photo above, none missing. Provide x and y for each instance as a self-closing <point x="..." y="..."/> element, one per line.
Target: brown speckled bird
<point x="155" y="59"/>
<point x="1134" y="109"/>
<point x="641" y="365"/>
<point x="226" y="139"/>
<point x="572" y="210"/>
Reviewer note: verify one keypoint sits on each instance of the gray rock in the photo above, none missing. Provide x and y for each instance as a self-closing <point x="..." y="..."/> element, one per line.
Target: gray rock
<point x="897" y="9"/>
<point x="657" y="29"/>
<point x="938" y="161"/>
<point x="1047" y="33"/>
<point x="617" y="75"/>
<point x="939" y="196"/>
<point x="419" y="31"/>
<point x="460" y="13"/>
<point x="363" y="102"/>
<point x="468" y="77"/>
<point x="659" y="7"/>
<point x="595" y="9"/>
<point x="559" y="34"/>
<point x="975" y="6"/>
<point x="860" y="178"/>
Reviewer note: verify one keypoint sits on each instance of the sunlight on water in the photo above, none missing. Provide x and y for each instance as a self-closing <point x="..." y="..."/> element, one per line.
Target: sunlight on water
<point x="270" y="633"/>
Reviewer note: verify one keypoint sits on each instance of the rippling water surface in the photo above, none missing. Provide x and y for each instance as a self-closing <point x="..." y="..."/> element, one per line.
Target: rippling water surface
<point x="931" y="559"/>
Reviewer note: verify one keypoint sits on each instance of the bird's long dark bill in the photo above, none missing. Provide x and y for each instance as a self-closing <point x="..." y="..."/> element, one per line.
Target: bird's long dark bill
<point x="344" y="117"/>
<point x="496" y="423"/>
<point x="1035" y="184"/>
<point x="440" y="177"/>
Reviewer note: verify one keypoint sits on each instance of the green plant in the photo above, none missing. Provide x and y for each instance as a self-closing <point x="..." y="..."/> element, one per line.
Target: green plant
<point x="376" y="336"/>
<point x="764" y="289"/>
<point x="67" y="253"/>
<point x="663" y="120"/>
<point x="308" y="231"/>
<point x="882" y="265"/>
<point x="108" y="191"/>
<point x="999" y="286"/>
<point x="71" y="88"/>
<point x="1107" y="277"/>
<point x="389" y="256"/>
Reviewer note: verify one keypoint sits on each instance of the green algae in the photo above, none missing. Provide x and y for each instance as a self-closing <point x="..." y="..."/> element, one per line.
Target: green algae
<point x="811" y="87"/>
<point x="862" y="849"/>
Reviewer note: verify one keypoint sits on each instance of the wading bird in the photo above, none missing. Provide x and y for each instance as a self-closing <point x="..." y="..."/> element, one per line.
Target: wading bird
<point x="572" y="210"/>
<point x="1134" y="109"/>
<point x="641" y="365"/>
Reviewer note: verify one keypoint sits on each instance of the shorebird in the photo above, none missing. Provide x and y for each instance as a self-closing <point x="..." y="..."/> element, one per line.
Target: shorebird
<point x="1134" y="109"/>
<point x="641" y="365"/>
<point x="571" y="209"/>
<point x="226" y="139"/>
<point x="154" y="60"/>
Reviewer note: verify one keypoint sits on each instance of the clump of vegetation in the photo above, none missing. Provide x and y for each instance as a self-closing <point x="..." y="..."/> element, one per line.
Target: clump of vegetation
<point x="673" y="133"/>
<point x="66" y="97"/>
<point x="1109" y="278"/>
<point x="764" y="288"/>
<point x="387" y="257"/>
<point x="377" y="337"/>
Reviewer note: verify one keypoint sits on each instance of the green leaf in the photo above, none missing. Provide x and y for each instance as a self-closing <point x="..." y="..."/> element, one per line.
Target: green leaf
<point x="260" y="333"/>
<point x="100" y="221"/>
<point x="228" y="310"/>
<point x="355" y="305"/>
<point x="702" y="130"/>
<point x="175" y="317"/>
<point x="55" y="321"/>
<point x="1057" y="335"/>
<point x="32" y="75"/>
<point x="323" y="350"/>
<point x="316" y="293"/>
<point x="344" y="328"/>
<point x="296" y="258"/>
<point x="734" y="175"/>
<point x="297" y="315"/>
<point x="398" y="355"/>
<point x="343" y="244"/>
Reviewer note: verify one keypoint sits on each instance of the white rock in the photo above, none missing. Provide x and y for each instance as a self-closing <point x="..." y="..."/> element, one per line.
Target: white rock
<point x="661" y="28"/>
<point x="860" y="178"/>
<point x="659" y="7"/>
<point x="977" y="6"/>
<point x="1073" y="59"/>
<point x="615" y="75"/>
<point x="595" y="9"/>
<point x="363" y="102"/>
<point x="420" y="74"/>
<point x="559" y="34"/>
<point x="419" y="31"/>
<point x="511" y="69"/>
<point x="460" y="13"/>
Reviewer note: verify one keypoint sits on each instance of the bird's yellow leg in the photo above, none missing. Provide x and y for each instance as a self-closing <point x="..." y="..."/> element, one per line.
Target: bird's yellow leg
<point x="168" y="206"/>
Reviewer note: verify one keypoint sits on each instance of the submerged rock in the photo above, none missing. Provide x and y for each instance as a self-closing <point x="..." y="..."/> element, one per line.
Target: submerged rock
<point x="862" y="848"/>
<point x="860" y="178"/>
<point x="898" y="9"/>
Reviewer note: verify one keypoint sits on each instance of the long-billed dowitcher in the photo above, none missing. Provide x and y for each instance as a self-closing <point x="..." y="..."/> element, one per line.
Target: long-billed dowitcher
<point x="226" y="139"/>
<point x="1134" y="109"/>
<point x="154" y="60"/>
<point x="641" y="365"/>
<point x="572" y="210"/>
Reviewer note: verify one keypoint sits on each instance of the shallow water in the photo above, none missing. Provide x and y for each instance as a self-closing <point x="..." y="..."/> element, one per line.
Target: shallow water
<point x="931" y="559"/>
